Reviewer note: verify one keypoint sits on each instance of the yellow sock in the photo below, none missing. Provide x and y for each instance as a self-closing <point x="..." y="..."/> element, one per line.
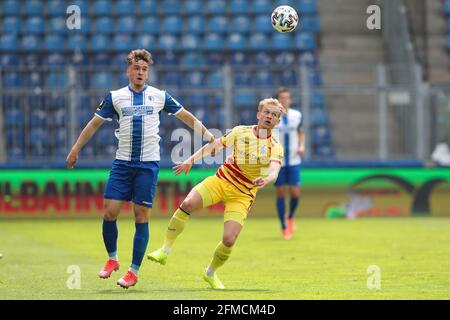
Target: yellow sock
<point x="176" y="226"/>
<point x="221" y="255"/>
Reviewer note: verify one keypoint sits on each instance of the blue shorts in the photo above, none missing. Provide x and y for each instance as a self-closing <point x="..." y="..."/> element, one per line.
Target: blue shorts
<point x="289" y="175"/>
<point x="135" y="182"/>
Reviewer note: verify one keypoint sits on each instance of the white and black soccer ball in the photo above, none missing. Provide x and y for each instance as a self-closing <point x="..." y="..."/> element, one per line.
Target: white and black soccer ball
<point x="284" y="19"/>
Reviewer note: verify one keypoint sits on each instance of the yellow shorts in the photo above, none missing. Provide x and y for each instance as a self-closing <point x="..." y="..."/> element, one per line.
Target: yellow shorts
<point x="237" y="205"/>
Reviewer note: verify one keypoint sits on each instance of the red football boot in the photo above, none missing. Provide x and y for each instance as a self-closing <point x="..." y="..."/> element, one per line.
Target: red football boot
<point x="110" y="266"/>
<point x="291" y="225"/>
<point x="128" y="280"/>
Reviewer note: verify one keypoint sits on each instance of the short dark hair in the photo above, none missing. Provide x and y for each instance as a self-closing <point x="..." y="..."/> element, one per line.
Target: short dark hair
<point x="139" y="54"/>
<point x="282" y="90"/>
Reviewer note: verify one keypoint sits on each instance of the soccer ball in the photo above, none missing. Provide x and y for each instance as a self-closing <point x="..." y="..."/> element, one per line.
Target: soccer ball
<point x="284" y="19"/>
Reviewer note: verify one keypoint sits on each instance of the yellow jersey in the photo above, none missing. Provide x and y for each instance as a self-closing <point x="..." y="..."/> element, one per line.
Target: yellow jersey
<point x="252" y="156"/>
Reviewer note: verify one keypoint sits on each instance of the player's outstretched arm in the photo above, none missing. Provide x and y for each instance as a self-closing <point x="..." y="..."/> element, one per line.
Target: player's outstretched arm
<point x="203" y="152"/>
<point x="84" y="137"/>
<point x="274" y="169"/>
<point x="190" y="120"/>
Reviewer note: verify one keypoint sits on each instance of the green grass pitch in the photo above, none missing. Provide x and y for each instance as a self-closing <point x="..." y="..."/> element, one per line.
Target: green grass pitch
<point x="326" y="259"/>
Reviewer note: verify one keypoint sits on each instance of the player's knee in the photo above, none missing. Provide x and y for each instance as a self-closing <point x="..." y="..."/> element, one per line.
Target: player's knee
<point x="229" y="239"/>
<point x="109" y="214"/>
<point x="141" y="215"/>
<point x="295" y="192"/>
<point x="280" y="192"/>
<point x="188" y="205"/>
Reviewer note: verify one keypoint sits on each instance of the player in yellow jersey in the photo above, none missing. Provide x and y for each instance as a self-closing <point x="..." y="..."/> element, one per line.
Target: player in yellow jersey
<point x="255" y="162"/>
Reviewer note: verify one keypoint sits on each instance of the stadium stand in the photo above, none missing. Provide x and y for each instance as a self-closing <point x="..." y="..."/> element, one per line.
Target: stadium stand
<point x="190" y="35"/>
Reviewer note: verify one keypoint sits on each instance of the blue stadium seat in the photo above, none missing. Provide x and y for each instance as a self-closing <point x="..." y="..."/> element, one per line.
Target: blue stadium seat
<point x="77" y="42"/>
<point x="146" y="41"/>
<point x="171" y="7"/>
<point x="190" y="42"/>
<point x="215" y="59"/>
<point x="32" y="60"/>
<point x="122" y="42"/>
<point x="171" y="78"/>
<point x="305" y="41"/>
<point x="100" y="42"/>
<point x="35" y="25"/>
<point x="317" y="98"/>
<point x="56" y="80"/>
<point x="288" y="78"/>
<point x="245" y="97"/>
<point x="215" y="79"/>
<point x="239" y="58"/>
<point x="54" y="59"/>
<point x="102" y="7"/>
<point x="285" y="58"/>
<point x="38" y="118"/>
<point x="195" y="102"/>
<point x="101" y="59"/>
<point x="104" y="25"/>
<point x="195" y="25"/>
<point x="57" y="25"/>
<point x="11" y="80"/>
<point x="150" y="25"/>
<point x="126" y="24"/>
<point x="218" y="24"/>
<point x="85" y="27"/>
<point x="126" y="7"/>
<point x="263" y="24"/>
<point x="242" y="78"/>
<point x="56" y="8"/>
<point x="147" y="7"/>
<point x="31" y="43"/>
<point x="259" y="41"/>
<point x="102" y="80"/>
<point x="447" y="7"/>
<point x="122" y="80"/>
<point x="320" y="135"/>
<point x="11" y="25"/>
<point x="82" y="4"/>
<point x="167" y="42"/>
<point x="193" y="7"/>
<point x="120" y="60"/>
<point x="11" y="7"/>
<point x="314" y="78"/>
<point x="194" y="79"/>
<point x="13" y="117"/>
<point x="448" y="42"/>
<point x="236" y="41"/>
<point x="239" y="7"/>
<point x="78" y="58"/>
<point x="216" y="7"/>
<point x="169" y="58"/>
<point x="326" y="152"/>
<point x="310" y="24"/>
<point x="241" y="24"/>
<point x="172" y="24"/>
<point x="308" y="59"/>
<point x="319" y="117"/>
<point x="284" y="3"/>
<point x="307" y="6"/>
<point x="8" y="42"/>
<point x="7" y="59"/>
<point x="261" y="7"/>
<point x="263" y="78"/>
<point x="282" y="41"/>
<point x="262" y="58"/>
<point x="193" y="59"/>
<point x="34" y="8"/>
<point x="54" y="42"/>
<point x="213" y="41"/>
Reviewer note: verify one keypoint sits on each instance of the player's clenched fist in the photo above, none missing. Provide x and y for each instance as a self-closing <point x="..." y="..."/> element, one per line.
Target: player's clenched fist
<point x="71" y="159"/>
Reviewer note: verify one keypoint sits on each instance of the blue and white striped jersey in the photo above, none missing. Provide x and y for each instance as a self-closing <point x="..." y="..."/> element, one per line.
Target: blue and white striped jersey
<point x="138" y="115"/>
<point x="287" y="130"/>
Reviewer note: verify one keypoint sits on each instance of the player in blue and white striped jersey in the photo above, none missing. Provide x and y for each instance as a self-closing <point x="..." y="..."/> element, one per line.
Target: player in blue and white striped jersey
<point x="134" y="172"/>
<point x="292" y="139"/>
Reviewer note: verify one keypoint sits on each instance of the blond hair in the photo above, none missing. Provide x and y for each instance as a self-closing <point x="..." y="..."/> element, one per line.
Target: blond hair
<point x="139" y="54"/>
<point x="273" y="102"/>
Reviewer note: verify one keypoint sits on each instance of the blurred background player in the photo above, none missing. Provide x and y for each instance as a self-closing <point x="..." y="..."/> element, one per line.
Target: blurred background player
<point x="293" y="141"/>
<point x="134" y="172"/>
<point x="236" y="183"/>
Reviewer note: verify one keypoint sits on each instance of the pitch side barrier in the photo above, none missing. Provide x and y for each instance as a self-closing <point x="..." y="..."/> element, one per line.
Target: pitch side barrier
<point x="326" y="192"/>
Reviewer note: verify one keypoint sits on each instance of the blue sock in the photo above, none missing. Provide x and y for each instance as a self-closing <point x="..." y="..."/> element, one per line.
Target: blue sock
<point x="293" y="206"/>
<point x="281" y="211"/>
<point x="110" y="234"/>
<point x="139" y="245"/>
